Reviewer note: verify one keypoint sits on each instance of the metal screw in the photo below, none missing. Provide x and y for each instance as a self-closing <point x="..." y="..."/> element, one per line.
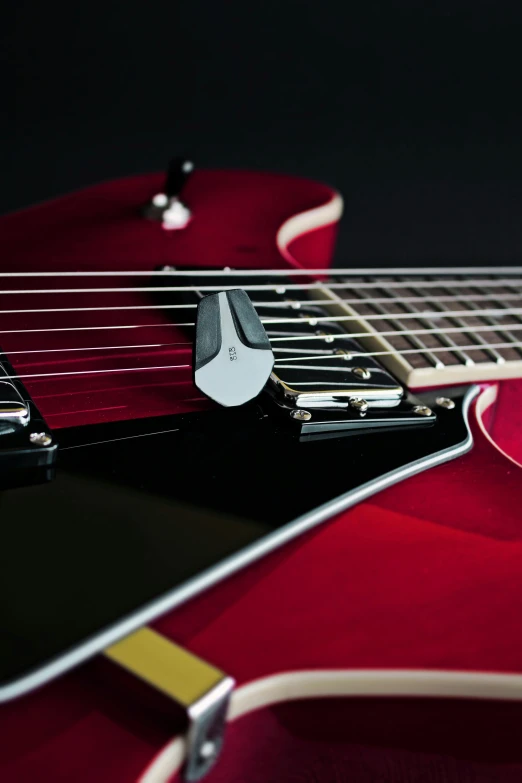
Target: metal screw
<point x="422" y="410"/>
<point x="208" y="750"/>
<point x="328" y="338"/>
<point x="293" y="304"/>
<point x="358" y="404"/>
<point x="160" y="200"/>
<point x="362" y="372"/>
<point x="40" y="438"/>
<point x="301" y="415"/>
<point x="445" y="402"/>
<point x="341" y="352"/>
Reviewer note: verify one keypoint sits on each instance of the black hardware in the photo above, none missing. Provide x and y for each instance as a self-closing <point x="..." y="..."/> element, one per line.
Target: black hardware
<point x="27" y="447"/>
<point x="168" y="201"/>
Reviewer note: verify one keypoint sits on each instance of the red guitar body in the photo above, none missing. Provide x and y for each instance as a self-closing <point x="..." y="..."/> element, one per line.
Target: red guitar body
<point x="412" y="597"/>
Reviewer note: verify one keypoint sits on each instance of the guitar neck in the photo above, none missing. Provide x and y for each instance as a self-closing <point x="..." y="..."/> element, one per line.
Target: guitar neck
<point x="439" y="327"/>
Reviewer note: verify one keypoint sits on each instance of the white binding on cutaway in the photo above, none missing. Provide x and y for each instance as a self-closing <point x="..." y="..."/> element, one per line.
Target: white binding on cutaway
<point x="291" y="686"/>
<point x="487" y="398"/>
<point x="304" y="222"/>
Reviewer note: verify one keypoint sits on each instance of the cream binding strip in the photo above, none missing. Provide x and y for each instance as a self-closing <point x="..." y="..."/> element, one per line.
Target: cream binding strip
<point x="291" y="686"/>
<point x="396" y="363"/>
<point x="304" y="222"/>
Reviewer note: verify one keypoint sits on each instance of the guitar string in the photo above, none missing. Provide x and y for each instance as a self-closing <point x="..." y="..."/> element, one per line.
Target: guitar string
<point x="349" y="354"/>
<point x="389" y="284"/>
<point x="347" y="335"/>
<point x="294" y="304"/>
<point x="99" y="348"/>
<point x="311" y="320"/>
<point x="189" y="366"/>
<point x="495" y="283"/>
<point x="83" y="328"/>
<point x="290" y="271"/>
<point x="314" y="320"/>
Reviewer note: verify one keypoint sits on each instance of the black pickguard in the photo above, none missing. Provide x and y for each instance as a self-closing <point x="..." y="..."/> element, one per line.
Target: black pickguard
<point x="248" y="461"/>
<point x="139" y="509"/>
<point x="142" y="514"/>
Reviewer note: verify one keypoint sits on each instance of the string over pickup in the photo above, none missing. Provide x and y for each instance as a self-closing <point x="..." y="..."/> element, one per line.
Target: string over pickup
<point x="12" y="405"/>
<point x="27" y="447"/>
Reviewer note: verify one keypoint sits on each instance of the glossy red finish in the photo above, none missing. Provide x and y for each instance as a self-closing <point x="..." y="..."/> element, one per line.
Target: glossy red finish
<point x="374" y="741"/>
<point x="425" y="575"/>
<point x="236" y="219"/>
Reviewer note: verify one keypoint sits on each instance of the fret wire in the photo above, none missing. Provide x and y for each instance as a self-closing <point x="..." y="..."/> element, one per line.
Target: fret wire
<point x="517" y="316"/>
<point x="427" y="323"/>
<point x="412" y="338"/>
<point x="508" y="332"/>
<point x="475" y="336"/>
<point x="445" y="338"/>
<point x="508" y="335"/>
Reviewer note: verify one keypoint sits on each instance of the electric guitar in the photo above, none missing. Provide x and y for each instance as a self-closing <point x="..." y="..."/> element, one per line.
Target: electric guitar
<point x="333" y="567"/>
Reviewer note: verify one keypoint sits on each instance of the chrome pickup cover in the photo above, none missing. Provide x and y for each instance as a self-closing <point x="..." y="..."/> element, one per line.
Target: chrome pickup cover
<point x="341" y="371"/>
<point x="12" y="405"/>
<point x="324" y="371"/>
<point x="27" y="447"/>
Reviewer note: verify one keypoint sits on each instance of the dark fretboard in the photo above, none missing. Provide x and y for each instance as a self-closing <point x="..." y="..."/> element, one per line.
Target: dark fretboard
<point x="435" y="327"/>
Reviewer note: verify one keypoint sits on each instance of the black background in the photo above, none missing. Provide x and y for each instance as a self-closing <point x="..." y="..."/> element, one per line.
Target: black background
<point x="412" y="110"/>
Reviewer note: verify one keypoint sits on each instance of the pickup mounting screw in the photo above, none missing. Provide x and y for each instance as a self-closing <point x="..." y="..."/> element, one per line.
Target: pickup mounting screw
<point x="445" y="402"/>
<point x="40" y="438"/>
<point x="301" y="415"/>
<point x="358" y="404"/>
<point x="328" y="338"/>
<point x="208" y="750"/>
<point x="362" y="372"/>
<point x="422" y="410"/>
